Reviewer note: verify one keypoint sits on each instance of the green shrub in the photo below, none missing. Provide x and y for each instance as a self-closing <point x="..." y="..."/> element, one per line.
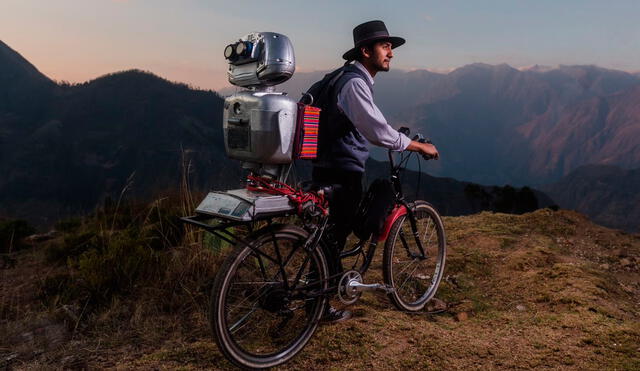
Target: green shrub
<point x="132" y="252"/>
<point x="117" y="267"/>
<point x="214" y="242"/>
<point x="72" y="245"/>
<point x="114" y="250"/>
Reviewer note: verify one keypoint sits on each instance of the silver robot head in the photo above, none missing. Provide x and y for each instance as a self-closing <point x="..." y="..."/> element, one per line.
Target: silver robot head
<point x="259" y="60"/>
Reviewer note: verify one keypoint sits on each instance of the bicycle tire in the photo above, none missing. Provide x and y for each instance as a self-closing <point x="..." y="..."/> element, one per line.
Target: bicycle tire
<point x="422" y="275"/>
<point x="267" y="296"/>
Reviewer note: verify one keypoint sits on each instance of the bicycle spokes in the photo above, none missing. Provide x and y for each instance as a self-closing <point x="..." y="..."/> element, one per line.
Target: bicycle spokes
<point x="262" y="315"/>
<point x="414" y="257"/>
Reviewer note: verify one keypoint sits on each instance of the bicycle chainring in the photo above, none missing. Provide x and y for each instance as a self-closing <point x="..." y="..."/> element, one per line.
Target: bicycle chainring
<point x="346" y="295"/>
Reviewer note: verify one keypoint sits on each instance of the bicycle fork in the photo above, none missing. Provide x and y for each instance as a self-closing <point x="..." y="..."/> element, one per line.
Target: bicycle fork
<point x="416" y="234"/>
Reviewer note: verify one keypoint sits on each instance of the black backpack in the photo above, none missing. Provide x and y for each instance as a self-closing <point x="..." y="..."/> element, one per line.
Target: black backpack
<point x="318" y="94"/>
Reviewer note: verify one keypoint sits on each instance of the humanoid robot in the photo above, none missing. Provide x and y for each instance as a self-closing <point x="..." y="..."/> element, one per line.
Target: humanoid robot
<point x="259" y="125"/>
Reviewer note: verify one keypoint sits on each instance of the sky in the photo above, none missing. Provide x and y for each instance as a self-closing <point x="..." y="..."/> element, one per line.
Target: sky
<point x="183" y="40"/>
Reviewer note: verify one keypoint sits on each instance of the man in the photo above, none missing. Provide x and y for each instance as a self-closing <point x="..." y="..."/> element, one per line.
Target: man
<point x="354" y="121"/>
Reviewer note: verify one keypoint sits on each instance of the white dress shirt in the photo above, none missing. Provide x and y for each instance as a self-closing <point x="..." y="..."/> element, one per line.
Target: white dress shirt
<point x="356" y="101"/>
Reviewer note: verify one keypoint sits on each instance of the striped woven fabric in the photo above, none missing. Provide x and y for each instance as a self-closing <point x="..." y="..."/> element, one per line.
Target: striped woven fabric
<point x="309" y="137"/>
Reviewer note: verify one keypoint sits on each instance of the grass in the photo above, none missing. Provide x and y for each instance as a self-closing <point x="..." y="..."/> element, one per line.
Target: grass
<point x="131" y="291"/>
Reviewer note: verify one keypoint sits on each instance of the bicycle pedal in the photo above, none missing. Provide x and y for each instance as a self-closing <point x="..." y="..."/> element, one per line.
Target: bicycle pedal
<point x="388" y="289"/>
<point x="354" y="286"/>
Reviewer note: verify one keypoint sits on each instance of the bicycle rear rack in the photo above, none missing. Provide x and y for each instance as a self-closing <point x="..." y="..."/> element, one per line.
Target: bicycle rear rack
<point x="221" y="229"/>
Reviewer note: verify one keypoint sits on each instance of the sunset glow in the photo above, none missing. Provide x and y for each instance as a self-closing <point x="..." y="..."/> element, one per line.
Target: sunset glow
<point x="77" y="40"/>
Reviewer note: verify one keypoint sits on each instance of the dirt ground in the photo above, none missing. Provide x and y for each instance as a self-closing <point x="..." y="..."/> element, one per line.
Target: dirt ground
<point x="541" y="290"/>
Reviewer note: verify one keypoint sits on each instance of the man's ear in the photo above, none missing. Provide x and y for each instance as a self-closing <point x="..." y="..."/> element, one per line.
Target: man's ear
<point x="365" y="51"/>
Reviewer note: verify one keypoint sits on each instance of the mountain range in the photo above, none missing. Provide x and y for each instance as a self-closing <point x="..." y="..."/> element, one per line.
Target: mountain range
<point x="500" y="125"/>
<point x="67" y="148"/>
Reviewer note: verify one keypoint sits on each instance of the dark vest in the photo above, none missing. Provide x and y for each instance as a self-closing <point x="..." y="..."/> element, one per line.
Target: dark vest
<point x="341" y="144"/>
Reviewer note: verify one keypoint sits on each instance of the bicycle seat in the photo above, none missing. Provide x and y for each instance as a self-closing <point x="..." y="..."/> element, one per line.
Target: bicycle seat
<point x="327" y="188"/>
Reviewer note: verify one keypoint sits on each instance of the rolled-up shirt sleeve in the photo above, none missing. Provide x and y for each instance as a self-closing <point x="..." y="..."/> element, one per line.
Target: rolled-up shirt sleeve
<point x="356" y="101"/>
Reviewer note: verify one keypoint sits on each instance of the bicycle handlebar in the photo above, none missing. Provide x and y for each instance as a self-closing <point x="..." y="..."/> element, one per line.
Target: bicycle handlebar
<point x="418" y="138"/>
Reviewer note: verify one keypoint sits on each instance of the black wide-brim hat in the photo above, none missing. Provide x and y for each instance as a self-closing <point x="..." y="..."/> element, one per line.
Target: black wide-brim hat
<point x="369" y="32"/>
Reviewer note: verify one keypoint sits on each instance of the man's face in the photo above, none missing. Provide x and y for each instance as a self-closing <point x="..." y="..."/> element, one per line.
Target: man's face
<point x="380" y="55"/>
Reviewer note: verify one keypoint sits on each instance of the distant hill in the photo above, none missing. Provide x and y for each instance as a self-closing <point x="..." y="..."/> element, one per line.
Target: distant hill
<point x="500" y="125"/>
<point x="74" y="146"/>
<point x="126" y="130"/>
<point x="25" y="96"/>
<point x="134" y="133"/>
<point x="607" y="194"/>
<point x="18" y="77"/>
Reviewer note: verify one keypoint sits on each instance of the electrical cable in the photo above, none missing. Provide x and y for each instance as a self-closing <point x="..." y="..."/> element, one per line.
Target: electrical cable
<point x="298" y="197"/>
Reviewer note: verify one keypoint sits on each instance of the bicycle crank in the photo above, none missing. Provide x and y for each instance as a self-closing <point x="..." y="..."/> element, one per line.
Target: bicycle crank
<point x="351" y="287"/>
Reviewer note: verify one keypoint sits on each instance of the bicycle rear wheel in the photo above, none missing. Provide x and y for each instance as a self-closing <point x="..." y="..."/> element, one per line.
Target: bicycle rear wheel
<point x="415" y="278"/>
<point x="258" y="318"/>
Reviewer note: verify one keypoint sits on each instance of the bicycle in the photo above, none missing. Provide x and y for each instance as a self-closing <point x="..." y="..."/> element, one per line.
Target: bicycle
<point x="270" y="293"/>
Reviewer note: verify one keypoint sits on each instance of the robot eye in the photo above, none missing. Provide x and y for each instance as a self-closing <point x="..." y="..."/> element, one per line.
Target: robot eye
<point x="229" y="52"/>
<point x="240" y="48"/>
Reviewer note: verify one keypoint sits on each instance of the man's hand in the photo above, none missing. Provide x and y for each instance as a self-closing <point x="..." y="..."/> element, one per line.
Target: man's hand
<point x="424" y="149"/>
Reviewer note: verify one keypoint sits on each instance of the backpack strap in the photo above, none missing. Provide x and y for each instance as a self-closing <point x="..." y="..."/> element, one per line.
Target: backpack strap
<point x="349" y="72"/>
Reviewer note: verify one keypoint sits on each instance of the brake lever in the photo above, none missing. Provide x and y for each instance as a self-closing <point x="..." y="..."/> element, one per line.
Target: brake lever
<point x="404" y="130"/>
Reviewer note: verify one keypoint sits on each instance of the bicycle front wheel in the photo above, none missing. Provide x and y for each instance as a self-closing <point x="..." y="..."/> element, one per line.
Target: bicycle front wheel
<point x="413" y="275"/>
<point x="266" y="300"/>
